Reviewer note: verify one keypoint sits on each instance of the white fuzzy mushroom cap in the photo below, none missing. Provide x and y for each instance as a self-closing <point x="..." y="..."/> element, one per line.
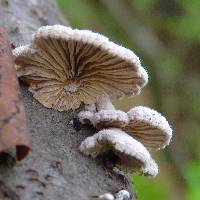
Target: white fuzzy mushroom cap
<point x="110" y="118"/>
<point x="149" y="127"/>
<point x="132" y="154"/>
<point x="86" y="117"/>
<point x="86" y="36"/>
<point x="91" y="108"/>
<point x="123" y="195"/>
<point x="67" y="67"/>
<point x="106" y="196"/>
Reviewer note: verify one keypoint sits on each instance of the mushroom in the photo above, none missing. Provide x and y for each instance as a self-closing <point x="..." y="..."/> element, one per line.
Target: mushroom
<point x="87" y="114"/>
<point x="149" y="127"/>
<point x="107" y="116"/>
<point x="121" y="195"/>
<point x="106" y="196"/>
<point x="131" y="154"/>
<point x="66" y="67"/>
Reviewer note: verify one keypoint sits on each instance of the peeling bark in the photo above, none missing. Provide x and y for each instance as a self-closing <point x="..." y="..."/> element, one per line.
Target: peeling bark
<point x="55" y="170"/>
<point x="13" y="125"/>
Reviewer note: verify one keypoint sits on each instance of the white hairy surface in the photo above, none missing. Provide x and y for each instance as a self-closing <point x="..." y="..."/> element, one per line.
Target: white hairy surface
<point x="87" y="36"/>
<point x="110" y="118"/>
<point x="91" y="108"/>
<point x="86" y="117"/>
<point x="124" y="146"/>
<point x="149" y="127"/>
<point x="106" y="196"/>
<point x="123" y="195"/>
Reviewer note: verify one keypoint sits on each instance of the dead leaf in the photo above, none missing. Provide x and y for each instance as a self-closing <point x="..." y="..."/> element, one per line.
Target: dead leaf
<point x="13" y="124"/>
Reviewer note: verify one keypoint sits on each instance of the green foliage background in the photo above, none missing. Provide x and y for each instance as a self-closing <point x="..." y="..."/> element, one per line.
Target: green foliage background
<point x="166" y="36"/>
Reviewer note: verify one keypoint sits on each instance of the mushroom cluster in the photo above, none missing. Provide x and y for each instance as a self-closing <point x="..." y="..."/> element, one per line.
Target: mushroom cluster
<point x="129" y="136"/>
<point x="68" y="68"/>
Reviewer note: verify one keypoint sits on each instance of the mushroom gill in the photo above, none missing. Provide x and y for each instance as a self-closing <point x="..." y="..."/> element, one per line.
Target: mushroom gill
<point x="66" y="67"/>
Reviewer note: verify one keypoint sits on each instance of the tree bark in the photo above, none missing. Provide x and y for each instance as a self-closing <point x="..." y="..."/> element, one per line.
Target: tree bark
<point x="55" y="170"/>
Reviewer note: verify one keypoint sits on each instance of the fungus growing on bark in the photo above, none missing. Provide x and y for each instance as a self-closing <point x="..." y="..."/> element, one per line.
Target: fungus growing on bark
<point x="106" y="196"/>
<point x="121" y="195"/>
<point x="107" y="116"/>
<point x="65" y="68"/>
<point x="149" y="127"/>
<point x="87" y="114"/>
<point x="132" y="155"/>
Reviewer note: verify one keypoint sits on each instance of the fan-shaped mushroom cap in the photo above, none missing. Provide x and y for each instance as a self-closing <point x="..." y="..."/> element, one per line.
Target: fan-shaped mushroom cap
<point x="87" y="114"/>
<point x="106" y="196"/>
<point x="122" y="195"/>
<point x="132" y="154"/>
<point x="66" y="67"/>
<point x="85" y="117"/>
<point x="110" y="118"/>
<point x="107" y="116"/>
<point x="149" y="127"/>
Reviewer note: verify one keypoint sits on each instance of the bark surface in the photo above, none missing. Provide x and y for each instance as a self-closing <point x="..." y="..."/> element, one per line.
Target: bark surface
<point x="55" y="170"/>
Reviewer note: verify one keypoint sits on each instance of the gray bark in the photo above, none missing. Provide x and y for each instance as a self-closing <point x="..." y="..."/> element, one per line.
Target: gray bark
<point x="55" y="170"/>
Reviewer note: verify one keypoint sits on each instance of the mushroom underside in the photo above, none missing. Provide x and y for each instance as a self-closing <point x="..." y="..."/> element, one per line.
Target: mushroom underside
<point x="151" y="137"/>
<point x="66" y="67"/>
<point x="110" y="124"/>
<point x="149" y="127"/>
<point x="129" y="153"/>
<point x="105" y="149"/>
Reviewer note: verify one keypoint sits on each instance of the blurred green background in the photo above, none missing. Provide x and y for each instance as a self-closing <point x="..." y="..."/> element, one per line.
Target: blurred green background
<point x="165" y="34"/>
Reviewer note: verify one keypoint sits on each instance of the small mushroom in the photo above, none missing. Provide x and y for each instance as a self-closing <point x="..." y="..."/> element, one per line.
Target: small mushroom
<point x="86" y="116"/>
<point x="132" y="155"/>
<point x="106" y="196"/>
<point x="66" y="67"/>
<point x="149" y="127"/>
<point x="107" y="116"/>
<point x="122" y="195"/>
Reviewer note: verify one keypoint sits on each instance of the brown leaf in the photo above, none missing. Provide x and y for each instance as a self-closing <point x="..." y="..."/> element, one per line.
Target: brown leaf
<point x="13" y="125"/>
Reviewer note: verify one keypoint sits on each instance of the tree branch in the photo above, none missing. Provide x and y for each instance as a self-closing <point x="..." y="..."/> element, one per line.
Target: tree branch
<point x="55" y="169"/>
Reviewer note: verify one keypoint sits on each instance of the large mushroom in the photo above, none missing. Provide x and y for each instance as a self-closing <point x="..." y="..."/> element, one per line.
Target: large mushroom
<point x="131" y="154"/>
<point x="66" y="67"/>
